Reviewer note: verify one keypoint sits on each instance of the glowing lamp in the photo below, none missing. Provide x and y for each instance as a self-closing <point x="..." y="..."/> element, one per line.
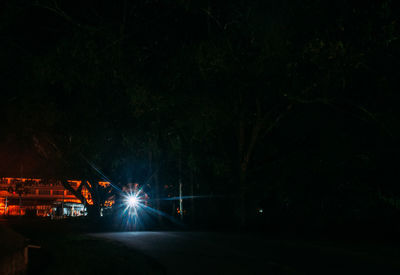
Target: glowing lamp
<point x="132" y="201"/>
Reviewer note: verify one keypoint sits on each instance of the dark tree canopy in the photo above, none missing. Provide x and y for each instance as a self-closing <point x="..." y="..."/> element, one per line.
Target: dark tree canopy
<point x="290" y="106"/>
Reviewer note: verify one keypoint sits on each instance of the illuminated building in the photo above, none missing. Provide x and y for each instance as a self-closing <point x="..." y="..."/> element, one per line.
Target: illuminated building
<point x="27" y="165"/>
<point x="37" y="197"/>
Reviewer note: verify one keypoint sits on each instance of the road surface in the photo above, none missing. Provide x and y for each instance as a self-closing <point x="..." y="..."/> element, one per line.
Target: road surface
<point x="218" y="253"/>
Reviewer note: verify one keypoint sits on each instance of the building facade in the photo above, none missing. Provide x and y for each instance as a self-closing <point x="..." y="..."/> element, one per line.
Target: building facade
<point x="37" y="197"/>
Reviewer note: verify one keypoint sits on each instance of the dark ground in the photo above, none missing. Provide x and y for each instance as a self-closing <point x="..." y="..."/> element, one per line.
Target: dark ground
<point x="79" y="247"/>
<point x="66" y="249"/>
<point x="229" y="253"/>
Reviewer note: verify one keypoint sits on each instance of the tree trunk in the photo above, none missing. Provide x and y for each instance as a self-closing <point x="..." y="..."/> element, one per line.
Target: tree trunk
<point x="245" y="152"/>
<point x="242" y="196"/>
<point x="192" y="201"/>
<point x="94" y="209"/>
<point x="154" y="178"/>
<point x="157" y="193"/>
<point x="241" y="174"/>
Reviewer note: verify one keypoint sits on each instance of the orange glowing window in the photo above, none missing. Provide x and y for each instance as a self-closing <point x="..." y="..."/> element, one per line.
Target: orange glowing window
<point x="104" y="183"/>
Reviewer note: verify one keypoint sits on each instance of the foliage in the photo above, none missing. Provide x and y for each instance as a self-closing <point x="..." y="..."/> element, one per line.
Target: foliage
<point x="291" y="99"/>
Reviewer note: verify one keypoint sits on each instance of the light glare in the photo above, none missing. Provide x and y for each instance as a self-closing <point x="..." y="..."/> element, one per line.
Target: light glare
<point x="132" y="201"/>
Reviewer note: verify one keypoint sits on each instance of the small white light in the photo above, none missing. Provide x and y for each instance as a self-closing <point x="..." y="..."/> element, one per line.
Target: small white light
<point x="260" y="210"/>
<point x="132" y="201"/>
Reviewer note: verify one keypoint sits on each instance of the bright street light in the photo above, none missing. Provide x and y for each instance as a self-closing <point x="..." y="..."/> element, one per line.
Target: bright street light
<point x="132" y="201"/>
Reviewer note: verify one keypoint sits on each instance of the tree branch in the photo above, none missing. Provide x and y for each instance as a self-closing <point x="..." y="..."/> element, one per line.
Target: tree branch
<point x="58" y="11"/>
<point x="77" y="193"/>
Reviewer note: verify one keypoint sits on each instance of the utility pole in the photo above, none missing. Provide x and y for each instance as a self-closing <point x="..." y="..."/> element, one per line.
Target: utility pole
<point x="180" y="200"/>
<point x="180" y="178"/>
